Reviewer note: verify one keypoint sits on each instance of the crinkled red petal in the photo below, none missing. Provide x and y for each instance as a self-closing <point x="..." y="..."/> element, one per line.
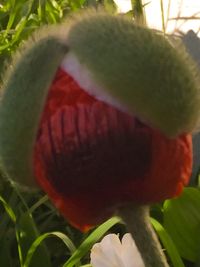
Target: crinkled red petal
<point x="90" y="157"/>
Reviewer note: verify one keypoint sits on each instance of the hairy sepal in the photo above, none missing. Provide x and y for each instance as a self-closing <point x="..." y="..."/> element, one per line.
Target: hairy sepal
<point x="24" y="94"/>
<point x="139" y="68"/>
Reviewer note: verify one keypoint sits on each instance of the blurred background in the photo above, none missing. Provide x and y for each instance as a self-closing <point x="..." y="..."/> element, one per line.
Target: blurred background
<point x="168" y="15"/>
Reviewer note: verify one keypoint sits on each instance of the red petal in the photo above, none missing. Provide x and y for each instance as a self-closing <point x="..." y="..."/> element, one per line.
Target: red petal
<point x="90" y="157"/>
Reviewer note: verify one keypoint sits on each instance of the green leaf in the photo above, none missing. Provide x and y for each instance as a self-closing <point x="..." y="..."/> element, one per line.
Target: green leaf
<point x="182" y="222"/>
<point x="38" y="203"/>
<point x="40" y="239"/>
<point x="11" y="20"/>
<point x="90" y="241"/>
<point x="12" y="215"/>
<point x="110" y="6"/>
<point x="138" y="11"/>
<point x="168" y="244"/>
<point x="8" y="209"/>
<point x="28" y="234"/>
<point x="19" y="28"/>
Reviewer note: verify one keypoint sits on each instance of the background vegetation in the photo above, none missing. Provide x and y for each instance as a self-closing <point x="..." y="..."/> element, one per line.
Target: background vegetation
<point x="32" y="233"/>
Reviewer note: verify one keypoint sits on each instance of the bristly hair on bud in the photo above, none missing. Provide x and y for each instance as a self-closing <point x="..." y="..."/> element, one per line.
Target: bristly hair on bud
<point x="24" y="92"/>
<point x="132" y="63"/>
<point x="141" y="69"/>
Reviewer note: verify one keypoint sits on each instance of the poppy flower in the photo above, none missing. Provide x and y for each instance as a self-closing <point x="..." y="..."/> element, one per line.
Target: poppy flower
<point x="114" y="127"/>
<point x="91" y="157"/>
<point x="111" y="252"/>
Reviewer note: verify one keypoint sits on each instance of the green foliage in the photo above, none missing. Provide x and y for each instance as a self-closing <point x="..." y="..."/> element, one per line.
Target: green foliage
<point x="168" y="244"/>
<point x="176" y="223"/>
<point x="182" y="222"/>
<point x="35" y="246"/>
<point x="19" y="19"/>
<point x="138" y="11"/>
<point x="32" y="251"/>
<point x="90" y="241"/>
<point x="28" y="232"/>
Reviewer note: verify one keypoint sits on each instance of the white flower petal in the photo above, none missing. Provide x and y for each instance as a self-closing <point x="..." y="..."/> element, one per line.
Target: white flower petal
<point x="130" y="254"/>
<point x="98" y="259"/>
<point x="108" y="249"/>
<point x="110" y="252"/>
<point x="111" y="244"/>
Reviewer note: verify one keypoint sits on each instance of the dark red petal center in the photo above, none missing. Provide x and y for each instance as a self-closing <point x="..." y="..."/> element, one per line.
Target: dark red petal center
<point x="90" y="157"/>
<point x="86" y="147"/>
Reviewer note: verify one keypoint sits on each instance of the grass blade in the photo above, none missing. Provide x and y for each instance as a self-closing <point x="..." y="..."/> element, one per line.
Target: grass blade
<point x="11" y="214"/>
<point x="8" y="209"/>
<point x="41" y="238"/>
<point x="168" y="244"/>
<point x="90" y="241"/>
<point x="28" y="234"/>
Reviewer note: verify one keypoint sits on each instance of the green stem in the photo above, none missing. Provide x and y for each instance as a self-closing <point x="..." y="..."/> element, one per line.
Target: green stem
<point x="138" y="12"/>
<point x="138" y="223"/>
<point x="163" y="16"/>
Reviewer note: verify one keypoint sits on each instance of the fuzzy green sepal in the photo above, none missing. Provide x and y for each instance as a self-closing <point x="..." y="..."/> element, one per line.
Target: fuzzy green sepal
<point x="141" y="69"/>
<point x="21" y="105"/>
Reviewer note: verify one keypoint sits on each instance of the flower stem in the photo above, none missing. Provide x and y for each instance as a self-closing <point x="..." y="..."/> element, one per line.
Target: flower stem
<point x="138" y="12"/>
<point x="138" y="223"/>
